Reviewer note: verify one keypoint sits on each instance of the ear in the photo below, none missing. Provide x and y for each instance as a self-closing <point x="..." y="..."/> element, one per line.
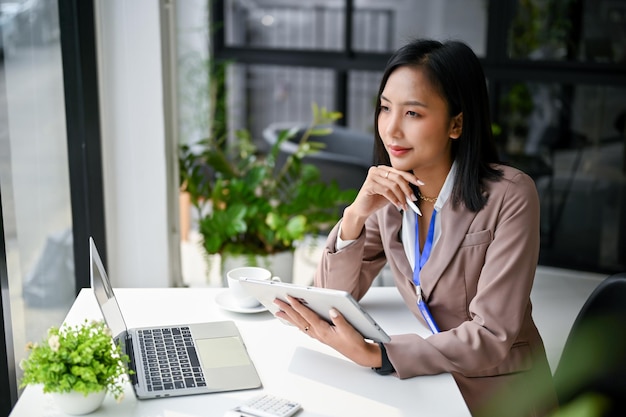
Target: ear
<point x="456" y="126"/>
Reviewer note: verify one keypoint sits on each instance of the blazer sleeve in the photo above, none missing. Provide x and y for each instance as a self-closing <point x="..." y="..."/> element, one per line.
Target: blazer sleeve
<point x="497" y="334"/>
<point x="354" y="267"/>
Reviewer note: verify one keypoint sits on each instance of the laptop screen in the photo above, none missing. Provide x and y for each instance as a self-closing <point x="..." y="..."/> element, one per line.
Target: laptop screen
<point x="104" y="294"/>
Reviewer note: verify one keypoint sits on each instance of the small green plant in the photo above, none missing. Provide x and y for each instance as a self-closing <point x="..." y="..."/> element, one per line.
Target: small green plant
<point x="81" y="358"/>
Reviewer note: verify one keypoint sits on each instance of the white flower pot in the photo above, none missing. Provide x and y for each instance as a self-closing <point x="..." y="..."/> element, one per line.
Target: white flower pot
<point x="76" y="403"/>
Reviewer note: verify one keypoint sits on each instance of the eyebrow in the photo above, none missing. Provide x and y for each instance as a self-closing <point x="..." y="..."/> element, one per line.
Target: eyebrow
<point x="406" y="103"/>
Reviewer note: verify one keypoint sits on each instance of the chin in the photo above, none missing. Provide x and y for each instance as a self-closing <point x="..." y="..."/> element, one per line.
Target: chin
<point x="401" y="165"/>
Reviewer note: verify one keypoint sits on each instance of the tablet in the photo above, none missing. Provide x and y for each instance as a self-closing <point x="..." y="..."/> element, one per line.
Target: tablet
<point x="320" y="300"/>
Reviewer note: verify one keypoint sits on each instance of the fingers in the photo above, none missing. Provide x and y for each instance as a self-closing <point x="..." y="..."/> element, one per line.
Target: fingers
<point x="394" y="185"/>
<point x="306" y="319"/>
<point x="339" y="335"/>
<point x="388" y="172"/>
<point x="337" y="318"/>
<point x="297" y="314"/>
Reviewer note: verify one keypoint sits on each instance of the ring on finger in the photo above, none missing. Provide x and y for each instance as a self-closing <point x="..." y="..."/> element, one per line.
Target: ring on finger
<point x="387" y="175"/>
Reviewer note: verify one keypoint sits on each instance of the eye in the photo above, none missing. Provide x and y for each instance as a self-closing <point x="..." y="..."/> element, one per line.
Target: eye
<point x="412" y="114"/>
<point x="384" y="109"/>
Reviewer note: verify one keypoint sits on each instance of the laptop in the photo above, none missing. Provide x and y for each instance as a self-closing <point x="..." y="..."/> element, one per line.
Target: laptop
<point x="168" y="361"/>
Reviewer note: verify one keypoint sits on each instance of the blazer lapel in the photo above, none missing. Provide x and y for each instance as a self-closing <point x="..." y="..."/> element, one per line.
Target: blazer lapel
<point x="455" y="223"/>
<point x="397" y="246"/>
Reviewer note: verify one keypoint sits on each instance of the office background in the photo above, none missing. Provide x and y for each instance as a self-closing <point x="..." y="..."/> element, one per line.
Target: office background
<point x="95" y="97"/>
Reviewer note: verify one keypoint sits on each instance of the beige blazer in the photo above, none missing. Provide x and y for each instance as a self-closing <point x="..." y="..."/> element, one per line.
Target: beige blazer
<point x="477" y="284"/>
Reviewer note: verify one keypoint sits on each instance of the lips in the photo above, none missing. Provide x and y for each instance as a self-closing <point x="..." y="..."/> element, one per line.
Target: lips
<point x="395" y="150"/>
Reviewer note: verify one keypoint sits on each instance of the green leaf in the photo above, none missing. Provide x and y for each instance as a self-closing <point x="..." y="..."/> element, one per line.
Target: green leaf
<point x="296" y="226"/>
<point x="272" y="220"/>
<point x="321" y="131"/>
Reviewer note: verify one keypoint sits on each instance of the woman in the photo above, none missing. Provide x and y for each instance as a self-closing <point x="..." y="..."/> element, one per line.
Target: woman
<point x="465" y="264"/>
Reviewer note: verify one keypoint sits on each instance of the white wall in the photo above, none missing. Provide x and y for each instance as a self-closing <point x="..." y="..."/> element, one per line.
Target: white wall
<point x="133" y="142"/>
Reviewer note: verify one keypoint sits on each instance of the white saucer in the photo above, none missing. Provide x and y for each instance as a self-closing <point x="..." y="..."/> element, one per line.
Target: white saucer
<point x="225" y="300"/>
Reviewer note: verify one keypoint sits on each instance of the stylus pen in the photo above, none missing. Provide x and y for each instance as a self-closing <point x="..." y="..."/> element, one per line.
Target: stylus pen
<point x="413" y="206"/>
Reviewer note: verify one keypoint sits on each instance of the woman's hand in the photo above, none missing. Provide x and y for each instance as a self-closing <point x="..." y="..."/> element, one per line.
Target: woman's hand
<point x="383" y="184"/>
<point x="339" y="335"/>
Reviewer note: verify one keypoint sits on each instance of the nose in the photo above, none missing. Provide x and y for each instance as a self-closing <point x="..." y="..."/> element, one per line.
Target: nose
<point x="392" y="125"/>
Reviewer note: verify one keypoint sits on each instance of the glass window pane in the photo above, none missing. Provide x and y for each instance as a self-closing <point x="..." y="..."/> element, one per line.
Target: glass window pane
<point x="382" y="26"/>
<point x="603" y="31"/>
<point x="285" y="24"/>
<point x="527" y="110"/>
<point x="362" y="91"/>
<point x="373" y="28"/>
<point x="587" y="31"/>
<point x="572" y="141"/>
<point x="34" y="174"/>
<point x="589" y="213"/>
<point x="541" y="30"/>
<point x="263" y="94"/>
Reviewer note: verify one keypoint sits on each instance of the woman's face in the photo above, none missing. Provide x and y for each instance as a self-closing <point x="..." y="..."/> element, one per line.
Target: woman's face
<point x="414" y="124"/>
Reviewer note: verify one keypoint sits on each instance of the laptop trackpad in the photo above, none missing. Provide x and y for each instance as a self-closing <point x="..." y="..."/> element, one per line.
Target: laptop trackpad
<point x="222" y="352"/>
<point x="226" y="364"/>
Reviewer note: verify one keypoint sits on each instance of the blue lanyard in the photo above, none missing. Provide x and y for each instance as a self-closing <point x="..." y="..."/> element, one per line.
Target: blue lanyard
<point x="422" y="257"/>
<point x="420" y="261"/>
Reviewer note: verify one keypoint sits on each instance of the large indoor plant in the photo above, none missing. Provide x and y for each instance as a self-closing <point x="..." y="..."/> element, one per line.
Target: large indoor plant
<point x="79" y="359"/>
<point x="250" y="203"/>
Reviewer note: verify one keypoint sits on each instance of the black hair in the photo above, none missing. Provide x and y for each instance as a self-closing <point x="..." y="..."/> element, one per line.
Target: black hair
<point x="456" y="73"/>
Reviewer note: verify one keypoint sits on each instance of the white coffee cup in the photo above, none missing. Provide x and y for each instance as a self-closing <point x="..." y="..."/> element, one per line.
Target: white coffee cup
<point x="238" y="293"/>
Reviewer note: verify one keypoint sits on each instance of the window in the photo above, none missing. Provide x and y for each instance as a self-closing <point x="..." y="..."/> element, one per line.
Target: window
<point x="578" y="31"/>
<point x="34" y="177"/>
<point x="556" y="75"/>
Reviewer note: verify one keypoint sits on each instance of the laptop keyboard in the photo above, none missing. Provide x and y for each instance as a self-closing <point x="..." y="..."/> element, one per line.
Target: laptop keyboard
<point x="171" y="361"/>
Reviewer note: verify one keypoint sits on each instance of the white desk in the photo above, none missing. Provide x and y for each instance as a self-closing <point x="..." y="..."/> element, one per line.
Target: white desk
<point x="289" y="363"/>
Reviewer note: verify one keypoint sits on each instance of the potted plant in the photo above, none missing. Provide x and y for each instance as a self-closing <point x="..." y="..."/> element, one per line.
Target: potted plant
<point x="78" y="365"/>
<point x="255" y="205"/>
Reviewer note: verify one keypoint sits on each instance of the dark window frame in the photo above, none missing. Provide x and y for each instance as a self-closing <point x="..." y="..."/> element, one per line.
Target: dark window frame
<point x="82" y="112"/>
<point x="8" y="382"/>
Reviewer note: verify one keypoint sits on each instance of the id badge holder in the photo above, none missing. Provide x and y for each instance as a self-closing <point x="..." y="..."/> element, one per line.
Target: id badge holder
<point x="427" y="316"/>
<point x="421" y="305"/>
